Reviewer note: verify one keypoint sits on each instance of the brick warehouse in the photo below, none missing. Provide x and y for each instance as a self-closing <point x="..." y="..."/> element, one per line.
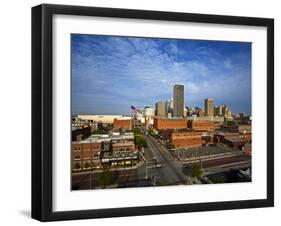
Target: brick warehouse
<point x="201" y="125"/>
<point x="170" y="123"/>
<point x="185" y="139"/>
<point x="85" y="155"/>
<point x="122" y="124"/>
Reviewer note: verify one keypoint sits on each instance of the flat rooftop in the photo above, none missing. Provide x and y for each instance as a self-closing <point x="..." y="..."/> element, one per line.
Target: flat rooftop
<point x="172" y="118"/>
<point x="234" y="140"/>
<point x="98" y="138"/>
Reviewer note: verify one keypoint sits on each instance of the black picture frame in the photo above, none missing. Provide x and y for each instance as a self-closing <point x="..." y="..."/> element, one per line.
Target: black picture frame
<point x="42" y="111"/>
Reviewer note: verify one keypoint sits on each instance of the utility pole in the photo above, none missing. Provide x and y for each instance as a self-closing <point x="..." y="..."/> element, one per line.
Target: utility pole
<point x="146" y="169"/>
<point x="154" y="180"/>
<point x="91" y="176"/>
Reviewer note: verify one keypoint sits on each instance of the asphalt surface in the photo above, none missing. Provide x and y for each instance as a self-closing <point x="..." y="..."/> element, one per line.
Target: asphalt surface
<point x="206" y="151"/>
<point x="121" y="178"/>
<point x="163" y="167"/>
<point x="225" y="161"/>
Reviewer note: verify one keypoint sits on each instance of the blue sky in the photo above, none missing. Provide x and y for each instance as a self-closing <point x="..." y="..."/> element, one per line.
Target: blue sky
<point x="111" y="73"/>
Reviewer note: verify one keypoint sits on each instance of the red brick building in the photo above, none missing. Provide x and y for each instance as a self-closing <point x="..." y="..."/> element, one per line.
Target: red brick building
<point x="104" y="150"/>
<point x="169" y="123"/>
<point x="122" y="124"/>
<point x="86" y="155"/>
<point x="185" y="139"/>
<point x="239" y="128"/>
<point x="201" y="125"/>
<point x="124" y="146"/>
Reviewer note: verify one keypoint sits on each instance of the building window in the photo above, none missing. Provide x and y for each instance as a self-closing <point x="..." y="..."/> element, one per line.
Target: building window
<point x="76" y="156"/>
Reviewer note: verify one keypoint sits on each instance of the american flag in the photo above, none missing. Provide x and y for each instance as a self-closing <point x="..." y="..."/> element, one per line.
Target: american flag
<point x="135" y="110"/>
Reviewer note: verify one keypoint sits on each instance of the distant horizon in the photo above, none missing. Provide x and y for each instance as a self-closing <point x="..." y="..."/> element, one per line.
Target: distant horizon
<point x="111" y="73"/>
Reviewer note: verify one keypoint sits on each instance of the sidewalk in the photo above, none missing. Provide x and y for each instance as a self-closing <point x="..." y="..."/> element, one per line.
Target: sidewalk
<point x="110" y="169"/>
<point x="225" y="167"/>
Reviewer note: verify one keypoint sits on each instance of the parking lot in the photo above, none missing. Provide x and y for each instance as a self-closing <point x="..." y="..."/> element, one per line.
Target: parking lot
<point x="207" y="151"/>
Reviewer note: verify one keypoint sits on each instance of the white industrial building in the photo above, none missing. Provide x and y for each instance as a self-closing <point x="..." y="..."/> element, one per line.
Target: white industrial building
<point x="101" y="118"/>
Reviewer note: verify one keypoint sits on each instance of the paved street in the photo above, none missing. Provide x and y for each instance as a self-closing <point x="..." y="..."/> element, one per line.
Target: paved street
<point x="166" y="169"/>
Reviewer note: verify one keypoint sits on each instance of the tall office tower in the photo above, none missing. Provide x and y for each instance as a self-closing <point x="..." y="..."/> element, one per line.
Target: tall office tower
<point x="171" y="107"/>
<point x="171" y="103"/>
<point x="209" y="107"/>
<point x="229" y="113"/>
<point x="167" y="107"/>
<point x="161" y="109"/>
<point x="215" y="111"/>
<point x="224" y="110"/>
<point x="218" y="111"/>
<point x="178" y="110"/>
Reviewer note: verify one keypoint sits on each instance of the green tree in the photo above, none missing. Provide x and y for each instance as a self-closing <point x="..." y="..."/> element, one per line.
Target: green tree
<point x="105" y="178"/>
<point x="99" y="132"/>
<point x="195" y="170"/>
<point x="152" y="133"/>
<point x="140" y="141"/>
<point x="230" y="123"/>
<point x="137" y="131"/>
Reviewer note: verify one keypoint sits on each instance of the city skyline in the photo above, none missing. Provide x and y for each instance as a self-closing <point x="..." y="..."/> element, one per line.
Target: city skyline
<point x="109" y="74"/>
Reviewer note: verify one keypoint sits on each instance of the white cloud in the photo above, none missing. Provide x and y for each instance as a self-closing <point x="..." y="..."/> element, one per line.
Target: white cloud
<point x="192" y="88"/>
<point x="140" y="70"/>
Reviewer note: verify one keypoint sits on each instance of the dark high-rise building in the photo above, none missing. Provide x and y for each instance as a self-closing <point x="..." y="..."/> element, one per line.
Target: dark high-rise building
<point x="178" y="110"/>
<point x="209" y="107"/>
<point x="161" y="109"/>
